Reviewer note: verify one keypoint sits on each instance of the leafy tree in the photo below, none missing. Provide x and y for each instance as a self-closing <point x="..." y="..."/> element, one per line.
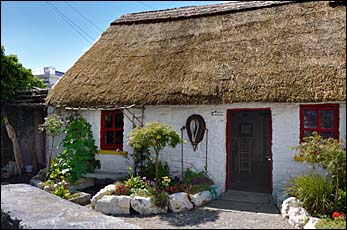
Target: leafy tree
<point x="154" y="135"/>
<point x="329" y="154"/>
<point x="15" y="77"/>
<point x="53" y="126"/>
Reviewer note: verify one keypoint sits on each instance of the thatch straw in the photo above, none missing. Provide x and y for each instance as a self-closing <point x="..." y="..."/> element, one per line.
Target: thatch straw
<point x="284" y="53"/>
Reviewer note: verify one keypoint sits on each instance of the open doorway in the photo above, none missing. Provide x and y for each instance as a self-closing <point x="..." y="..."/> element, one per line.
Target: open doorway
<point x="249" y="157"/>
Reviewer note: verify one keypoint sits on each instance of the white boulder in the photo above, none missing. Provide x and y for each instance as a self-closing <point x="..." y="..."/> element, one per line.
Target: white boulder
<point x="111" y="204"/>
<point x="201" y="198"/>
<point x="108" y="190"/>
<point x="144" y="205"/>
<point x="298" y="217"/>
<point x="291" y="202"/>
<point x="179" y="202"/>
<point x="311" y="223"/>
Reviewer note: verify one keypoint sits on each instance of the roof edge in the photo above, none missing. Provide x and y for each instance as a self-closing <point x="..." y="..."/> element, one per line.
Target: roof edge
<point x="195" y="11"/>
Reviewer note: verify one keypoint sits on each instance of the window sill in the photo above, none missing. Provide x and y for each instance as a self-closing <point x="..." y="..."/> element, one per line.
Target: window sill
<point x="113" y="152"/>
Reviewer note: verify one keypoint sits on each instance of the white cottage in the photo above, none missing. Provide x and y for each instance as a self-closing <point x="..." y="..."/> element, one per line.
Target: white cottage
<point x="261" y="74"/>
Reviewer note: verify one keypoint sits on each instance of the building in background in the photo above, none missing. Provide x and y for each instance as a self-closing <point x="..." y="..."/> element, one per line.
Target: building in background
<point x="49" y="75"/>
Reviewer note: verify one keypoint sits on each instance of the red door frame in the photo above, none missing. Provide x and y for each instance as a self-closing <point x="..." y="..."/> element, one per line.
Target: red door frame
<point x="227" y="180"/>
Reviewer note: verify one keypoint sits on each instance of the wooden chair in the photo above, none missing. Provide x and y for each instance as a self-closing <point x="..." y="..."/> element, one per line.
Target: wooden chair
<point x="245" y="154"/>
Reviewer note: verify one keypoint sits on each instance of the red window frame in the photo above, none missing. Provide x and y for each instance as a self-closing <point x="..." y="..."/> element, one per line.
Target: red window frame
<point x="319" y="108"/>
<point x="104" y="129"/>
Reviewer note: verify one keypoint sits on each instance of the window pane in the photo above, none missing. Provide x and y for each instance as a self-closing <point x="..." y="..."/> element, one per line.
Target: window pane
<point x="119" y="120"/>
<point x="327" y="134"/>
<point x="327" y="118"/>
<point x="308" y="133"/>
<point x="310" y="119"/>
<point x="108" y="121"/>
<point x="109" y="137"/>
<point x="119" y="137"/>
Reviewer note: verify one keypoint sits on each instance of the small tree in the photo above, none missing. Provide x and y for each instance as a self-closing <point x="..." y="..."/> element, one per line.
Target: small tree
<point x="53" y="126"/>
<point x="330" y="154"/>
<point x="156" y="135"/>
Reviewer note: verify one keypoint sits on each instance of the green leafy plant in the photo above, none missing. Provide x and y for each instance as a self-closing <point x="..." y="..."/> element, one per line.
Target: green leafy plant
<point x="314" y="190"/>
<point x="60" y="169"/>
<point x="154" y="135"/>
<point x="53" y="127"/>
<point x="135" y="182"/>
<point x="341" y="201"/>
<point x="62" y="192"/>
<point x="80" y="149"/>
<point x="160" y="198"/>
<point x="150" y="167"/>
<point x="190" y="175"/>
<point x="329" y="154"/>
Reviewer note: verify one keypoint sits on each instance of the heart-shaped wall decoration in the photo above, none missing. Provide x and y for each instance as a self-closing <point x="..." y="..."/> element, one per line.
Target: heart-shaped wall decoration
<point x="195" y="126"/>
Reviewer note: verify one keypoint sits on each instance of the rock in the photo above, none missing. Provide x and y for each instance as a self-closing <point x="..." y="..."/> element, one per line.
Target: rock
<point x="179" y="202"/>
<point x="291" y="202"/>
<point x="83" y="199"/>
<point x="311" y="223"/>
<point x="47" y="188"/>
<point x="35" y="182"/>
<point x="298" y="217"/>
<point x="144" y="205"/>
<point x="113" y="205"/>
<point x="84" y="182"/>
<point x="108" y="190"/>
<point x="27" y="207"/>
<point x="201" y="198"/>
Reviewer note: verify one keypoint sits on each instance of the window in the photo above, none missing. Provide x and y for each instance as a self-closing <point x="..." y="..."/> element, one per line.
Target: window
<point x="323" y="118"/>
<point x="112" y="127"/>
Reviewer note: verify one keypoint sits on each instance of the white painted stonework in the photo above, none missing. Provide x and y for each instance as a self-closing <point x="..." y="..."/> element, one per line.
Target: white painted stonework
<point x="285" y="134"/>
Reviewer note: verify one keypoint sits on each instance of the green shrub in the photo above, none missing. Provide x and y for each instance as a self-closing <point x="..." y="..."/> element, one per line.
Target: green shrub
<point x="329" y="154"/>
<point x="135" y="182"/>
<point x="149" y="170"/>
<point x="144" y="192"/>
<point x="314" y="190"/>
<point x="80" y="148"/>
<point x="62" y="192"/>
<point x="327" y="223"/>
<point x="160" y="198"/>
<point x="341" y="202"/>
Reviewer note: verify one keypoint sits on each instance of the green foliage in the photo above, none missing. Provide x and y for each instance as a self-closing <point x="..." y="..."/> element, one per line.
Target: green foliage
<point x="52" y="125"/>
<point x="196" y="188"/>
<point x="341" y="201"/>
<point x="134" y="183"/>
<point x="327" y="223"/>
<point x="154" y="135"/>
<point x="160" y="198"/>
<point x="190" y="175"/>
<point x="149" y="170"/>
<point x="62" y="192"/>
<point x="60" y="168"/>
<point x="15" y="77"/>
<point x="78" y="156"/>
<point x="314" y="190"/>
<point x="328" y="153"/>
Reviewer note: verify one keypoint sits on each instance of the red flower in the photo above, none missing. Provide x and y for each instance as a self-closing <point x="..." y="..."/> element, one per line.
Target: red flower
<point x="336" y="214"/>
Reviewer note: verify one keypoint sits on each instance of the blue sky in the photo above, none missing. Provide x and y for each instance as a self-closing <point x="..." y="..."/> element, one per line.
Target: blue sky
<point x="35" y="32"/>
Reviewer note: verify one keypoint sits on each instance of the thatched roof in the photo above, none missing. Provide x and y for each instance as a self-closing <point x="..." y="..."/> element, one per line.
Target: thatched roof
<point x="222" y="53"/>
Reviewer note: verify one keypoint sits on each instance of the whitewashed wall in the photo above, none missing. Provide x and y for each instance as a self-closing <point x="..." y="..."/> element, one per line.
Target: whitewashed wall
<point x="285" y="134"/>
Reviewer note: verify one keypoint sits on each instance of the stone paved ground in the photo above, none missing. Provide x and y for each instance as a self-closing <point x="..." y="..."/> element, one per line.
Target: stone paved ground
<point x="210" y="218"/>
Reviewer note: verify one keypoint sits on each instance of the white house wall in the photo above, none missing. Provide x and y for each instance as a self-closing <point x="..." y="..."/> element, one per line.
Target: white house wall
<point x="285" y="134"/>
